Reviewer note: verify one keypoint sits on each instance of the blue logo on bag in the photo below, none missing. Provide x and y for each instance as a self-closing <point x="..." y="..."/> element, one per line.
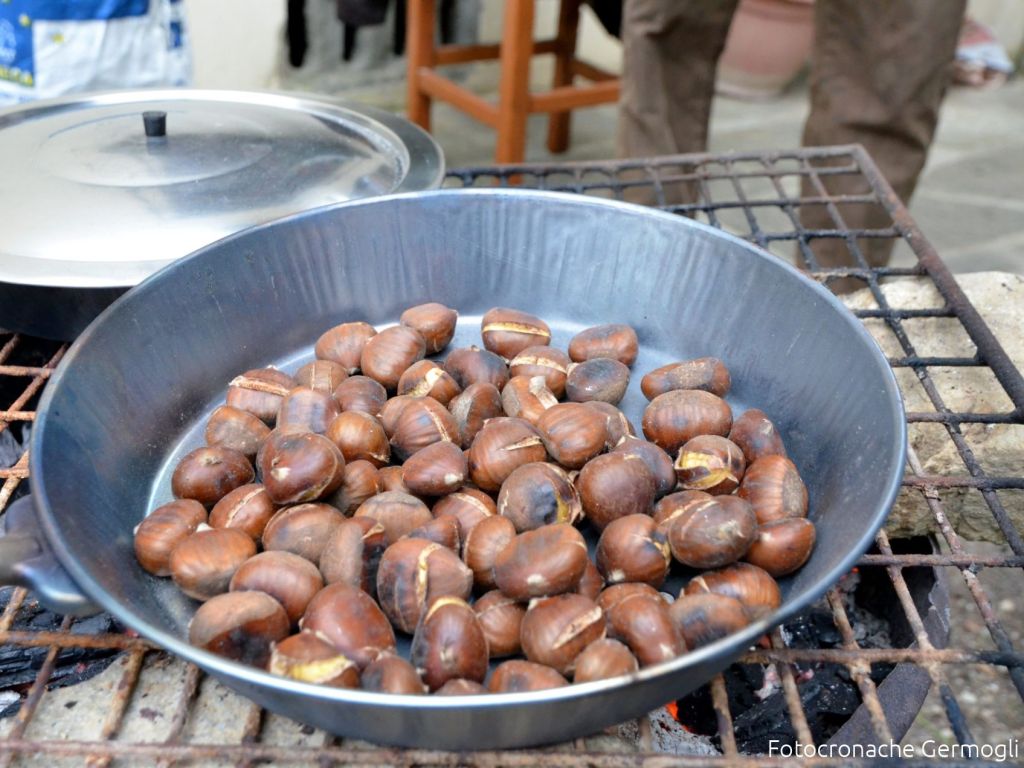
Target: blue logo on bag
<point x="17" y="62"/>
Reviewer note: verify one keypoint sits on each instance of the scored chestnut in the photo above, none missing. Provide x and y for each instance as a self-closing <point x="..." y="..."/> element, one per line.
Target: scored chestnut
<point x="616" y="593"/>
<point x="774" y="489"/>
<point x="239" y="625"/>
<point x="435" y="470"/>
<point x="162" y="530"/>
<point x="708" y="374"/>
<point x="507" y="332"/>
<point x="472" y="365"/>
<point x="236" y="429"/>
<point x="477" y="403"/>
<point x="449" y="644"/>
<point x="500" y="618"/>
<point x="352" y="554"/>
<point x="389" y="353"/>
<point x="359" y="436"/>
<point x="572" y="433"/>
<point x="351" y="621"/>
<point x="518" y="676"/>
<point x="671" y="419"/>
<point x="397" y="512"/>
<point x="302" y="530"/>
<point x="704" y="618"/>
<point x="308" y="408"/>
<point x="556" y="629"/>
<point x="391" y="480"/>
<point x="422" y="421"/>
<point x="546" y="561"/>
<point x="209" y="474"/>
<point x="359" y="481"/>
<point x="361" y="393"/>
<point x="632" y="549"/>
<point x="644" y="624"/>
<point x="710" y="463"/>
<point x="260" y="392"/>
<point x="321" y="375"/>
<point x="503" y="445"/>
<point x="549" y="362"/>
<point x="615" y="485"/>
<point x="527" y="397"/>
<point x="288" y="578"/>
<point x="248" y="508"/>
<point x="599" y="378"/>
<point x="591" y="583"/>
<point x="675" y="504"/>
<point x="752" y="586"/>
<point x="713" y="533"/>
<point x="782" y="546"/>
<point x="202" y="565"/>
<point x="604" y="659"/>
<point x="538" y="494"/>
<point x="468" y="505"/>
<point x="428" y="378"/>
<point x="658" y="462"/>
<point x="756" y="435"/>
<point x="299" y="466"/>
<point x="614" y="340"/>
<point x="412" y="574"/>
<point x="343" y="344"/>
<point x="434" y="322"/>
<point x="389" y="673"/>
<point x="460" y="687"/>
<point x="617" y="426"/>
<point x="443" y="530"/>
<point x="482" y="545"/>
<point x="309" y="658"/>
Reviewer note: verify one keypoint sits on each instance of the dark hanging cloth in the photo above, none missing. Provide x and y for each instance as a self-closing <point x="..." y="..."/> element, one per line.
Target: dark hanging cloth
<point x="295" y="29"/>
<point x="362" y="13"/>
<point x="610" y="14"/>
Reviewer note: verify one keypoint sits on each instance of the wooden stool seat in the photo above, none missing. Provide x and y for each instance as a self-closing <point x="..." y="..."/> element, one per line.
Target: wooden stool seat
<point x="515" y="102"/>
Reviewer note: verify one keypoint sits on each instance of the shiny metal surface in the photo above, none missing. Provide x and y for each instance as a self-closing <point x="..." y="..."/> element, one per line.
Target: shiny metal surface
<point x="132" y="392"/>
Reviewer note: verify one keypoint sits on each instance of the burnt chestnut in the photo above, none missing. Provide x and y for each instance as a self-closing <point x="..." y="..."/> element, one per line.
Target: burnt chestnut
<point x="413" y="573"/>
<point x="260" y="392"/>
<point x="500" y="618"/>
<point x="311" y="659"/>
<point x="507" y="332"/>
<point x="351" y="621"/>
<point x="460" y="687"/>
<point x="774" y="489"/>
<point x="360" y="480"/>
<point x="604" y="659"/>
<point x="352" y="554"/>
<point x="658" y="462"/>
<point x="556" y="629"/>
<point x="162" y="530"/>
<point x="547" y="561"/>
<point x="592" y="582"/>
<point x="443" y="530"/>
<point x="248" y="508"/>
<point x="343" y="344"/>
<point x="299" y="466"/>
<point x="503" y="445"/>
<point x="359" y="436"/>
<point x="601" y="379"/>
<point x="538" y="494"/>
<point x="472" y="365"/>
<point x="713" y="533"/>
<point x="361" y="393"/>
<point x="288" y="578"/>
<point x="675" y="504"/>
<point x="752" y="586"/>
<point x="321" y="375"/>
<point x="631" y="548"/>
<point x="436" y="470"/>
<point x="756" y="436"/>
<point x="236" y="429"/>
<point x="708" y="374"/>
<point x="572" y="433"/>
<point x="615" y="485"/>
<point x="477" y="403"/>
<point x="617" y="426"/>
<point x="240" y="626"/>
<point x="675" y="417"/>
<point x="389" y="673"/>
<point x="391" y="480"/>
<point x="551" y="363"/>
<point x="644" y="624"/>
<point x="527" y="397"/>
<point x="428" y="378"/>
<point x="202" y="565"/>
<point x="614" y="340"/>
<point x="308" y="408"/>
<point x="434" y="322"/>
<point x="303" y="529"/>
<point x="209" y="474"/>
<point x="449" y="644"/>
<point x="782" y="546"/>
<point x="482" y="545"/>
<point x="703" y="619"/>
<point x="422" y="422"/>
<point x="711" y="464"/>
<point x="398" y="512"/>
<point x="468" y="505"/>
<point x="518" y="676"/>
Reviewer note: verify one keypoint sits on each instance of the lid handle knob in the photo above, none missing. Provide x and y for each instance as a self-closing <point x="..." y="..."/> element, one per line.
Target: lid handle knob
<point x="155" y="124"/>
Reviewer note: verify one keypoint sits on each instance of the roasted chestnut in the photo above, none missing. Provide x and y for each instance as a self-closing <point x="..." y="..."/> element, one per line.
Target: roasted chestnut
<point x="617" y="426"/>
<point x="234" y="428"/>
<point x="708" y="374"/>
<point x="482" y="545"/>
<point x="360" y="480"/>
<point x="644" y="624"/>
<point x="713" y="533"/>
<point x="434" y="322"/>
<point x="702" y="619"/>
<point x="503" y="445"/>
<point x="518" y="676"/>
<point x="299" y="466"/>
<point x="658" y="462"/>
<point x="756" y="436"/>
<point x="710" y="463"/>
<point x="616" y="593"/>
<point x="675" y="417"/>
<point x="308" y="408"/>
<point x="422" y="421"/>
<point x="260" y="392"/>
<point x="460" y="687"/>
<point x="162" y="530"/>
<point x="321" y="375"/>
<point x="351" y="621"/>
<point x="202" y="565"/>
<point x="604" y="659"/>
<point x="477" y="403"/>
<point x="352" y="554"/>
<point x="615" y="485"/>
<point x="288" y="578"/>
<point x="591" y="583"/>
<point x="614" y="340"/>
<point x="782" y="546"/>
<point x="675" y="504"/>
<point x="303" y="529"/>
<point x="472" y="365"/>
<point x="389" y="673"/>
<point x="398" y="512"/>
<point x="425" y="378"/>
<point x="359" y="435"/>
<point x="435" y="470"/>
<point x="209" y="474"/>
<point x="539" y="494"/>
<point x="527" y="397"/>
<point x="449" y="644"/>
<point x="549" y="362"/>
<point x="443" y="530"/>
<point x="601" y="379"/>
<point x="240" y="626"/>
<point x="391" y="480"/>
<point x="391" y="410"/>
<point x="774" y="489"/>
<point x="413" y="573"/>
<point x="546" y="561"/>
<point x="631" y="548"/>
<point x="247" y="508"/>
<point x="361" y="393"/>
<point x="468" y="505"/>
<point x="507" y="332"/>
<point x="343" y="344"/>
<point x="500" y="619"/>
<point x="556" y="629"/>
<point x="311" y="659"/>
<point x="752" y="586"/>
<point x="572" y="433"/>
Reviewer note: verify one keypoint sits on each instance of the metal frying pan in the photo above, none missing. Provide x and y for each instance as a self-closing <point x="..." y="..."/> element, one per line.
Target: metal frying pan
<point x="132" y="393"/>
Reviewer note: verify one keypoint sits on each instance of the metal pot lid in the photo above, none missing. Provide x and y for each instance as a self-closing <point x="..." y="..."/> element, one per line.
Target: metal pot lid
<point x="102" y="190"/>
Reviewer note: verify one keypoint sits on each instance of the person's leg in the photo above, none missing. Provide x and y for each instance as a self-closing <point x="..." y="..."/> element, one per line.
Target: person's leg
<point x="879" y="73"/>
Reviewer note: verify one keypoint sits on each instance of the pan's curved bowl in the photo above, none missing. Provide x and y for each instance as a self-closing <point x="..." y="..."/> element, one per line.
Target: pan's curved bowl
<point x="133" y="390"/>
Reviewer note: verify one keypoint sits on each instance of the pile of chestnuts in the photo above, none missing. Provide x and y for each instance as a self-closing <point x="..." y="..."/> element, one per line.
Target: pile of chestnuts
<point x="376" y="491"/>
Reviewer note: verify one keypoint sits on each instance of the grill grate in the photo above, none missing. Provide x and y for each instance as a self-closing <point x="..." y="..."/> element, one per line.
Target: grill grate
<point x="756" y="196"/>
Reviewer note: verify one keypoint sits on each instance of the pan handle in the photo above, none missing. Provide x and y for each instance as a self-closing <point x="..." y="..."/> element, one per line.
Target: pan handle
<point x="27" y="560"/>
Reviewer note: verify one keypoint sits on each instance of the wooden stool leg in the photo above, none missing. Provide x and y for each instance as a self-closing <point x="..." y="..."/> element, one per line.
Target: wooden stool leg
<point x="421" y="22"/>
<point x="514" y="89"/>
<point x="568" y="21"/>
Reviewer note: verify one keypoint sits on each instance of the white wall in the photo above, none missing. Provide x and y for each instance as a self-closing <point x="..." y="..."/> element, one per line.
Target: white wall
<point x="235" y="43"/>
